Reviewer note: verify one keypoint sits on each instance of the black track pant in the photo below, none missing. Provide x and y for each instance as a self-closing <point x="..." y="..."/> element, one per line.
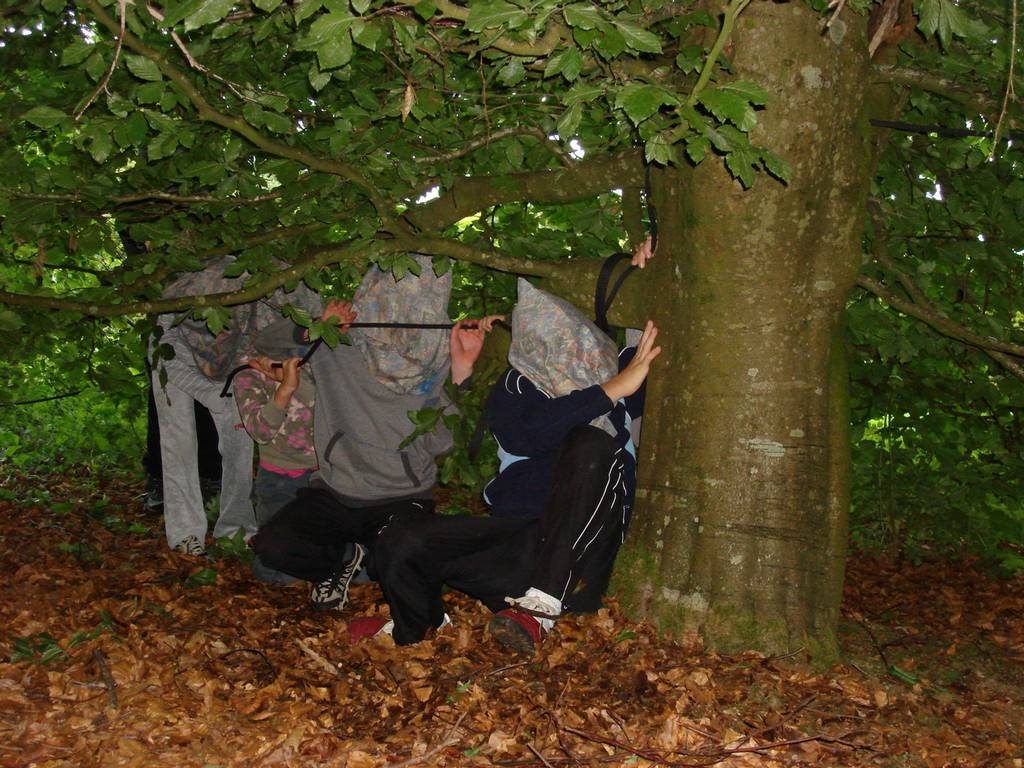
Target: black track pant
<point x="568" y="553"/>
<point x="308" y="536"/>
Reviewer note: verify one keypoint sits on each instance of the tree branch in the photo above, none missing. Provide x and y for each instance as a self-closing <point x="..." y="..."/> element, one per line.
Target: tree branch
<point x="470" y="194"/>
<point x="940" y="86"/>
<point x="74" y="197"/>
<point x="552" y="36"/>
<point x="207" y="113"/>
<point x="1002" y="352"/>
<point x="483" y="141"/>
<point x="102" y="86"/>
<point x="101" y="274"/>
<point x="333" y="253"/>
<point x="440" y="246"/>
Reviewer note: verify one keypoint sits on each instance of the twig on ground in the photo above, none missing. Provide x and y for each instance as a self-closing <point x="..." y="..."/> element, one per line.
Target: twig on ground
<point x="108" y="680"/>
<point x="539" y="755"/>
<point x="320" y="660"/>
<point x="782" y="656"/>
<point x="506" y="668"/>
<point x="449" y="740"/>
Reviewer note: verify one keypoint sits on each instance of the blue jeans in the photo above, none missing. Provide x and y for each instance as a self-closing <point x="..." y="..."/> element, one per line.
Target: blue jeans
<point x="271" y="491"/>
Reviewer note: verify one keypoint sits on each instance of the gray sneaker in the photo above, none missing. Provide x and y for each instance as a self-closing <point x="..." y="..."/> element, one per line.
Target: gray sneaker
<point x="191" y="546"/>
<point x="332" y="593"/>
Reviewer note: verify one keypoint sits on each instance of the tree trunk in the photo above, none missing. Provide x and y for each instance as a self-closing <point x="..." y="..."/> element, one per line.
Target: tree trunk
<point x="741" y="523"/>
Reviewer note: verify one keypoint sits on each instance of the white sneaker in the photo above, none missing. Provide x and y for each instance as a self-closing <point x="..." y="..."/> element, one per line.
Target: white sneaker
<point x="545" y="608"/>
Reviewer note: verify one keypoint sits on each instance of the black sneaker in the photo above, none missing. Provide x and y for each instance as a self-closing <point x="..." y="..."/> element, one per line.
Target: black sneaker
<point x="154" y="496"/>
<point x="190" y="546"/>
<point x="331" y="594"/>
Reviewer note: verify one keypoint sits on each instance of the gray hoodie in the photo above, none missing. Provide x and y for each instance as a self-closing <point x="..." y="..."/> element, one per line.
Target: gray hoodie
<point x="358" y="425"/>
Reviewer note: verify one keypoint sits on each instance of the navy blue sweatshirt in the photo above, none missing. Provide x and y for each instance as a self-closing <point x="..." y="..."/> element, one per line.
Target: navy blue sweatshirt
<point x="530" y="427"/>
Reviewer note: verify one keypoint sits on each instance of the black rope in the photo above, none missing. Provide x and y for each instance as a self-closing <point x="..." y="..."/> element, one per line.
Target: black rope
<point x="226" y="391"/>
<point x="603" y="297"/>
<point x="941" y="130"/>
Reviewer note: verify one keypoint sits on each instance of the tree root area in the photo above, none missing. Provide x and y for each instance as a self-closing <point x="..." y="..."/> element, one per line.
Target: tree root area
<point x="116" y="652"/>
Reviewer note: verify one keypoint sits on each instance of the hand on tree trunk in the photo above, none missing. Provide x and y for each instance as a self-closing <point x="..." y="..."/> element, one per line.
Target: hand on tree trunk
<point x="630" y="378"/>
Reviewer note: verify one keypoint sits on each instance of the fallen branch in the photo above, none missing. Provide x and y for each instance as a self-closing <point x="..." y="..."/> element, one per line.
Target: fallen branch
<point x="449" y="740"/>
<point x="108" y="680"/>
<point x="320" y="660"/>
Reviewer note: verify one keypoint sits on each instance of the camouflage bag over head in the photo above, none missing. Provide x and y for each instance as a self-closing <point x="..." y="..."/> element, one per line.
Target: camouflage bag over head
<point x="558" y="348"/>
<point x="216" y="356"/>
<point x="405" y="360"/>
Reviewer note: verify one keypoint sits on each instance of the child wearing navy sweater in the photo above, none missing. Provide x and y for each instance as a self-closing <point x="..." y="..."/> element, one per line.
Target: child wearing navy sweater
<point x="560" y="503"/>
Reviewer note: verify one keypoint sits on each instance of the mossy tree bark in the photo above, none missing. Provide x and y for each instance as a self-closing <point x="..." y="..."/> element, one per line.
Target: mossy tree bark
<point x="741" y="525"/>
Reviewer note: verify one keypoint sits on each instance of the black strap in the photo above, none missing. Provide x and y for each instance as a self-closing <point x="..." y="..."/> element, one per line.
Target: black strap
<point x="603" y="298"/>
<point x="226" y="391"/>
<point x="652" y="212"/>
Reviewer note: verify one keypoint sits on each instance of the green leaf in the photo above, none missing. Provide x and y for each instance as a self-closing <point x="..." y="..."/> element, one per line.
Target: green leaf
<point x="583" y="16"/>
<point x="659" y="149"/>
<point x="425" y="9"/>
<point x="567" y="63"/>
<point x="690" y="58"/>
<point x="641" y="101"/>
<point x="740" y="163"/>
<point x="266" y="5"/>
<point x="729" y="106"/>
<point x="76" y="53"/>
<point x="100" y="146"/>
<point x="611" y="43"/>
<point x="582" y="92"/>
<point x="638" y="38"/>
<point x="360" y="6"/>
<point x="336" y="53"/>
<point x="752" y="92"/>
<point x="494" y="13"/>
<point x="946" y="20"/>
<point x="318" y="79"/>
<point x="95" y="66"/>
<point x="306" y="8"/>
<point x="512" y="72"/>
<point x="162" y="146"/>
<point x="570" y="121"/>
<point x="330" y="26"/>
<point x="176" y="10"/>
<point x="277" y="123"/>
<point x="368" y="36"/>
<point x="143" y="68"/>
<point x="441" y="265"/>
<point x="776" y="166"/>
<point x="209" y="12"/>
<point x="10" y="321"/>
<point x="697" y="148"/>
<point x="149" y="93"/>
<point x="204" y="577"/>
<point x="514" y="153"/>
<point x="44" y="117"/>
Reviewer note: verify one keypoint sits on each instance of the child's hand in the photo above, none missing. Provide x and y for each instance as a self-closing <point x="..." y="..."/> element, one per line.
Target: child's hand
<point x="265" y="365"/>
<point x="642" y="253"/>
<point x="632" y="377"/>
<point x="342" y="310"/>
<point x="289" y="373"/>
<point x="466" y="342"/>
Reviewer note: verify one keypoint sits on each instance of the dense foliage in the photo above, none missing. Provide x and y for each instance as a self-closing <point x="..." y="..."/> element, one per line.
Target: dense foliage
<point x="142" y="140"/>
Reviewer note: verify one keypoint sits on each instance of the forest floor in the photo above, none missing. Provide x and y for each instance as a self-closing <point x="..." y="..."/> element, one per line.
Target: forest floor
<point x="114" y="651"/>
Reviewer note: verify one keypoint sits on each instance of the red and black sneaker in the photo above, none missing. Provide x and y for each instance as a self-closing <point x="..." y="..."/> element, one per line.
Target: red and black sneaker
<point x="517" y="630"/>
